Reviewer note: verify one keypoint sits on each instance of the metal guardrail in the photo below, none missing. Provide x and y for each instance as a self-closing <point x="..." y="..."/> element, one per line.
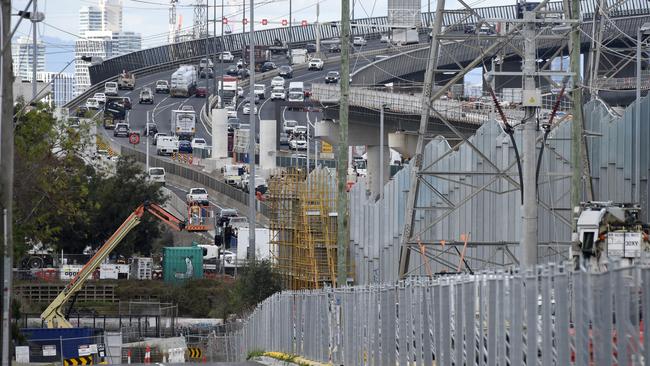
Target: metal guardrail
<point x="551" y="316"/>
<point x="473" y="112"/>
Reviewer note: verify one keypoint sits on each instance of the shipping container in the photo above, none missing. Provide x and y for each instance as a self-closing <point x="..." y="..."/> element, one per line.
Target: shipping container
<point x="114" y="271"/>
<point x="182" y="263"/>
<point x="68" y="271"/>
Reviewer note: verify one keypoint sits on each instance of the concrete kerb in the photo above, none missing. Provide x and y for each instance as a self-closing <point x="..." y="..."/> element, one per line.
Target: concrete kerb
<point x="272" y="361"/>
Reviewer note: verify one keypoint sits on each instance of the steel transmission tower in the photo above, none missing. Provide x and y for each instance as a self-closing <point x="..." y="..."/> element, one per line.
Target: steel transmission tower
<point x="200" y="19"/>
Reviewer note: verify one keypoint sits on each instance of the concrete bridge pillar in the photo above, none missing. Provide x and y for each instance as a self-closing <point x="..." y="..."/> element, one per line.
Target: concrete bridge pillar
<point x="375" y="182"/>
<point x="268" y="145"/>
<point x="219" y="155"/>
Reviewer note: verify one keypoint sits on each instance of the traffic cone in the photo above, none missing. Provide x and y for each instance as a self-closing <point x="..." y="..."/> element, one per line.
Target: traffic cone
<point x="128" y="357"/>
<point x="204" y="359"/>
<point x="147" y="355"/>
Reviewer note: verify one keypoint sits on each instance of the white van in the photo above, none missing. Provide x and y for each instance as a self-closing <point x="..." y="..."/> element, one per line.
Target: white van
<point x="157" y="174"/>
<point x="296" y="86"/>
<point x="166" y="145"/>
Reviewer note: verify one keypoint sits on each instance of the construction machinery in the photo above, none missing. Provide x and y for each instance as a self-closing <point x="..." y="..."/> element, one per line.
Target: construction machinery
<point x="609" y="231"/>
<point x="53" y="314"/>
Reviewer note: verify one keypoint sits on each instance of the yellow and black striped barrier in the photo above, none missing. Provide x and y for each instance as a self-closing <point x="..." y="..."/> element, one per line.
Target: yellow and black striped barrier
<point x="194" y="352"/>
<point x="76" y="361"/>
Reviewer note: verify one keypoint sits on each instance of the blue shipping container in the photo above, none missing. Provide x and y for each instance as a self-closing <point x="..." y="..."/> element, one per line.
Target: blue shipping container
<point x="69" y="338"/>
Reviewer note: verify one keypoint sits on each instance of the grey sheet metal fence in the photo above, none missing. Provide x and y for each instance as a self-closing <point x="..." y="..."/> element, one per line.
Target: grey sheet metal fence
<point x="547" y="316"/>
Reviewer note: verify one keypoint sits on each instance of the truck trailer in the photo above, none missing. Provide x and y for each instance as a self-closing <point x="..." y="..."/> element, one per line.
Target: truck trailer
<point x="183" y="81"/>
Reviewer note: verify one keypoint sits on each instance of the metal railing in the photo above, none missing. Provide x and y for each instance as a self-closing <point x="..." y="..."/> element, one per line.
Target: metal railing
<point x="473" y="112"/>
<point x="551" y="316"/>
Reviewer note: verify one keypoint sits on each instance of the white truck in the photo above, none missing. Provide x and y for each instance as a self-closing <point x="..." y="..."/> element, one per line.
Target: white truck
<point x="296" y="91"/>
<point x="166" y="145"/>
<point x="232" y="173"/>
<point x="299" y="56"/>
<point x="199" y="195"/>
<point x="183" y="81"/>
<point x="229" y="88"/>
<point x="183" y="124"/>
<point x="405" y="36"/>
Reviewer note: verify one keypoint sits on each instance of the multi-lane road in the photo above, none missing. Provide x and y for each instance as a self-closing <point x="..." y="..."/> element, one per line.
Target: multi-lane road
<point x="163" y="104"/>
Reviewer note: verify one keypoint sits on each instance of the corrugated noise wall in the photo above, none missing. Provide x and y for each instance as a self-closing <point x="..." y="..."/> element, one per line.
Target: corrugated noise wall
<point x="476" y="200"/>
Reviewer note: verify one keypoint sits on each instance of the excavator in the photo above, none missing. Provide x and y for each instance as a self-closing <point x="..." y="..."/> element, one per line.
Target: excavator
<point x="53" y="315"/>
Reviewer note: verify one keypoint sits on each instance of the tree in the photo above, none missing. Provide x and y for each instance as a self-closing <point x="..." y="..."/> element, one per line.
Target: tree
<point x="62" y="201"/>
<point x="255" y="282"/>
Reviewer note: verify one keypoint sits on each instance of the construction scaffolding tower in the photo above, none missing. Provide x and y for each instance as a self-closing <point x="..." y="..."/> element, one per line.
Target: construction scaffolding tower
<point x="303" y="227"/>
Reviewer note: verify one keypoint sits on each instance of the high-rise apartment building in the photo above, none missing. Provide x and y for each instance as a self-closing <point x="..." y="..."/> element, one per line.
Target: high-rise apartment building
<point x="62" y="86"/>
<point x="22" y="52"/>
<point x="101" y="26"/>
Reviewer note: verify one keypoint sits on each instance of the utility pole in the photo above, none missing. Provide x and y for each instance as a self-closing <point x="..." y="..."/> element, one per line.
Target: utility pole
<point x="6" y="177"/>
<point x="290" y="25"/>
<point x="317" y="29"/>
<point x="342" y="163"/>
<point x="207" y="58"/>
<point x="34" y="50"/>
<point x="223" y="48"/>
<point x="252" y="134"/>
<point x="531" y="101"/>
<point x="417" y="160"/>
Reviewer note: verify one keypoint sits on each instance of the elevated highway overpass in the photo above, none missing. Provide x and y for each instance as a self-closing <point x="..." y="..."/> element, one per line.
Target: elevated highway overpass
<point x="157" y="63"/>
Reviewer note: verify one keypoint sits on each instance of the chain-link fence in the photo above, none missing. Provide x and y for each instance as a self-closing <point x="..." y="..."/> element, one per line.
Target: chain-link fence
<point x="550" y="316"/>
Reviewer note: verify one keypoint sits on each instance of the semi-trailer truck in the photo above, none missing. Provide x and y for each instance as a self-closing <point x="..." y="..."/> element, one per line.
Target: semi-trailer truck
<point x="183" y="81"/>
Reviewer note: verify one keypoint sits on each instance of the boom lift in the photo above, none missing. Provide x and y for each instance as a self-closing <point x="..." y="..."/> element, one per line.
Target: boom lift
<point x="53" y="315"/>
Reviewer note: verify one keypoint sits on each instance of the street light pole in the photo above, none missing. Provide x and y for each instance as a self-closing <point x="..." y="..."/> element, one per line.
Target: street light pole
<point x="381" y="186"/>
<point x="223" y="48"/>
<point x="34" y="50"/>
<point x="637" y="112"/>
<point x="252" y="134"/>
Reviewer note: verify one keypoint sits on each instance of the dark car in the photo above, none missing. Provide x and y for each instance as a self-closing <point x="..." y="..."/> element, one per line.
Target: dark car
<point x="184" y="146"/>
<point x="81" y="111"/>
<point x="233" y="124"/>
<point x="243" y="73"/>
<point x="206" y="72"/>
<point x="268" y="66"/>
<point x="286" y="71"/>
<point x="121" y="130"/>
<point x="310" y="47"/>
<point x="335" y="48"/>
<point x="201" y="92"/>
<point x="151" y="129"/>
<point x="332" y="77"/>
<point x="127" y="102"/>
<point x="469" y="29"/>
<point x="232" y="70"/>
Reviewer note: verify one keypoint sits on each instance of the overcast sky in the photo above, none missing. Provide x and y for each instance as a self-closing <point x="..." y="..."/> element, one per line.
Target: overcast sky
<point x="150" y="17"/>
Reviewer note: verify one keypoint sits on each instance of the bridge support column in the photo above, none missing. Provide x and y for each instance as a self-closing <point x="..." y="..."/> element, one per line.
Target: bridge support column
<point x="219" y="155"/>
<point x="268" y="145"/>
<point x="375" y="182"/>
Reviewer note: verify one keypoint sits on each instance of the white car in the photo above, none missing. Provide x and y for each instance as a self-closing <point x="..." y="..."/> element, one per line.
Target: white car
<point x="199" y="195"/>
<point x="278" y="93"/>
<point x="359" y="41"/>
<point x="101" y="97"/>
<point x="277" y="81"/>
<point x="110" y="88"/>
<point x="157" y="174"/>
<point x="92" y="103"/>
<point x="231" y="112"/>
<point x="316" y="64"/>
<point x="247" y="109"/>
<point x="260" y="90"/>
<point x="298" y="144"/>
<point x="384" y="38"/>
<point x="240" y="91"/>
<point x="226" y="56"/>
<point x="198" y="142"/>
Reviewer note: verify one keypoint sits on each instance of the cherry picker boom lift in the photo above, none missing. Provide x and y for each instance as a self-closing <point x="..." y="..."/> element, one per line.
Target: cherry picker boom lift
<point x="53" y="315"/>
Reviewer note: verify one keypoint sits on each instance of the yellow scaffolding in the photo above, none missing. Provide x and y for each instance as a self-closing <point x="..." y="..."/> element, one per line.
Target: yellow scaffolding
<point x="303" y="227"/>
